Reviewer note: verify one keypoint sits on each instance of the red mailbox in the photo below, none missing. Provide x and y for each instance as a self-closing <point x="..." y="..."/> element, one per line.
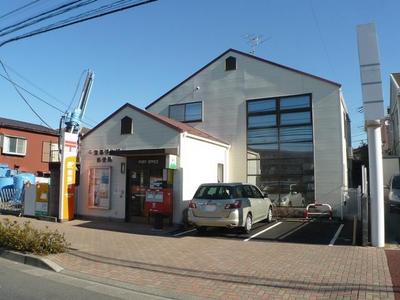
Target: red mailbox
<point x="159" y="201"/>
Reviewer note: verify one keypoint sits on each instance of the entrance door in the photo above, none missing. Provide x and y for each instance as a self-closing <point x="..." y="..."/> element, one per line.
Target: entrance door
<point x="143" y="173"/>
<point x="138" y="184"/>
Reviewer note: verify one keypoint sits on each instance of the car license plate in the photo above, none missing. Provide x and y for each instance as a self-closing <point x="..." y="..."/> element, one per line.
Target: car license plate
<point x="210" y="207"/>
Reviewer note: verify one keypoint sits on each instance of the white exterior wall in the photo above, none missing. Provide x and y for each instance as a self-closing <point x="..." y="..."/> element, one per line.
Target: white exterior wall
<point x="147" y="134"/>
<point x="198" y="164"/>
<point x="224" y="95"/>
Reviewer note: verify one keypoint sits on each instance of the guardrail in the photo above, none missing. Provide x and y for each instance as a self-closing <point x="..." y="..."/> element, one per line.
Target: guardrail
<point x="328" y="213"/>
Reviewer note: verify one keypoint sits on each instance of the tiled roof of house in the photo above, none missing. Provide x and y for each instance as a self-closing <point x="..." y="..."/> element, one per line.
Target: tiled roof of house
<point x="176" y="125"/>
<point x="25" y="126"/>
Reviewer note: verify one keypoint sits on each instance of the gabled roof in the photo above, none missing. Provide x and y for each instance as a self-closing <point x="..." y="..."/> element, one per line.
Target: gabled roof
<point x="25" y="126"/>
<point x="247" y="55"/>
<point x="176" y="125"/>
<point x="396" y="77"/>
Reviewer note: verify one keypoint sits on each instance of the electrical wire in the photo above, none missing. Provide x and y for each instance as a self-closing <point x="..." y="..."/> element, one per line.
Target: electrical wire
<point x="44" y="16"/>
<point x="76" y="91"/>
<point x="45" y="92"/>
<point x="19" y="9"/>
<point x="22" y="96"/>
<point x="321" y="37"/>
<point x="44" y="30"/>
<point x="33" y="84"/>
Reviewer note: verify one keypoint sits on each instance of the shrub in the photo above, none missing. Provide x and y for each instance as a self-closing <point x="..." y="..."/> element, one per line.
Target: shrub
<point x="25" y="238"/>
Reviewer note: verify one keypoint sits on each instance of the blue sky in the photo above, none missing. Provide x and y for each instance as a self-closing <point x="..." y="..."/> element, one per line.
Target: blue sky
<point x="140" y="54"/>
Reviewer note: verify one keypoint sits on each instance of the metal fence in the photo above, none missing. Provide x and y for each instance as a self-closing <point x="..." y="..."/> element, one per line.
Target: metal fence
<point x="7" y="200"/>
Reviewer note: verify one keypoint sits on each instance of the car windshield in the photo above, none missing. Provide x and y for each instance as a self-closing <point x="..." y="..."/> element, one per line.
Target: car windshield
<point x="214" y="192"/>
<point x="396" y="182"/>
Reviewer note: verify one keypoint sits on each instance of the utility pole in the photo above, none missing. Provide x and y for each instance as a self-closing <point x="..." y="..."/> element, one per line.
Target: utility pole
<point x="69" y="134"/>
<point x="371" y="85"/>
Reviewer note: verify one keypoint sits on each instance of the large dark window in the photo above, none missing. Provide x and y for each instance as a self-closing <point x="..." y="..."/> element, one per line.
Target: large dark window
<point x="186" y="112"/>
<point x="280" y="157"/>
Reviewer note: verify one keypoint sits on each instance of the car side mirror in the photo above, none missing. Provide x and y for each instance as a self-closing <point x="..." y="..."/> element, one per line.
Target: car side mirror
<point x="265" y="195"/>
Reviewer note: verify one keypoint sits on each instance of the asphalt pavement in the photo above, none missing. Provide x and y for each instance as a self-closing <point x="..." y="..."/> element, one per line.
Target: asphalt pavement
<point x="312" y="231"/>
<point x="22" y="282"/>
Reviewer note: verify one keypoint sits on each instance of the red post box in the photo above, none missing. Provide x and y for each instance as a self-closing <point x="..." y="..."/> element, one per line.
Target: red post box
<point x="159" y="201"/>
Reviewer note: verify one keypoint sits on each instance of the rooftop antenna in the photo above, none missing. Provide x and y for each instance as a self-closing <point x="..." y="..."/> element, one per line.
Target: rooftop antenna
<point x="254" y="41"/>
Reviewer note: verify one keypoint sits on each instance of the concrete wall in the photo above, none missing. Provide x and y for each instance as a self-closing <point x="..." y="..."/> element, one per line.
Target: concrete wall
<point x="198" y="164"/>
<point x="224" y="95"/>
<point x="147" y="134"/>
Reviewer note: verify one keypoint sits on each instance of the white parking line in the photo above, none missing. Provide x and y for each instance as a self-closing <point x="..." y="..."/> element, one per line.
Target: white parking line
<point x="333" y="240"/>
<point x="262" y="231"/>
<point x="293" y="231"/>
<point x="184" y="232"/>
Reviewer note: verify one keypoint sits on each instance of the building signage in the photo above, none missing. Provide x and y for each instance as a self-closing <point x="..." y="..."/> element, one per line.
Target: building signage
<point x="42" y="199"/>
<point x="171" y="162"/>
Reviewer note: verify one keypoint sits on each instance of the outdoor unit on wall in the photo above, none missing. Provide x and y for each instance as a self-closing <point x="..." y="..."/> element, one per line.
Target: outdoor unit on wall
<point x="1" y="140"/>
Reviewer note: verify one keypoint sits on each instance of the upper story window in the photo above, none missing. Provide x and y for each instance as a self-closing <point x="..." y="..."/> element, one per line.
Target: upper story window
<point x="126" y="125"/>
<point x="230" y="63"/>
<point x="14" y="145"/>
<point x="186" y="112"/>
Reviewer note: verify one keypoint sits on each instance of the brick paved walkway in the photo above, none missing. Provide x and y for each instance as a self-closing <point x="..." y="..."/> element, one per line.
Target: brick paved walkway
<point x="226" y="269"/>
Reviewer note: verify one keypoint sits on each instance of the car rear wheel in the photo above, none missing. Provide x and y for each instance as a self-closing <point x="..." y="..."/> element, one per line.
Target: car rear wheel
<point x="248" y="224"/>
<point x="201" y="229"/>
<point x="269" y="215"/>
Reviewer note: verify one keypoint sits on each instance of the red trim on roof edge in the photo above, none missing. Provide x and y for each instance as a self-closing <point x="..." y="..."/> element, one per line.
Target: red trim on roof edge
<point x="248" y="55"/>
<point x="175" y="125"/>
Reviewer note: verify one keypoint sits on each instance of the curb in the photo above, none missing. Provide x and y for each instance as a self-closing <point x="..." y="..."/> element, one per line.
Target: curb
<point x="30" y="259"/>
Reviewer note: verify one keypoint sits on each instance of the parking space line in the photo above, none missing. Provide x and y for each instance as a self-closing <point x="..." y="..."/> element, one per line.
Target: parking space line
<point x="333" y="240"/>
<point x="293" y="231"/>
<point x="262" y="231"/>
<point x="184" y="232"/>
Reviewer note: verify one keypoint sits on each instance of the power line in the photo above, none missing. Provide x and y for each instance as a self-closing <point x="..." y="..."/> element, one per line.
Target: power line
<point x="49" y="28"/>
<point x="22" y="96"/>
<point x="18" y="9"/>
<point x="43" y="91"/>
<point x="321" y="37"/>
<point x="44" y="16"/>
<point x="33" y="84"/>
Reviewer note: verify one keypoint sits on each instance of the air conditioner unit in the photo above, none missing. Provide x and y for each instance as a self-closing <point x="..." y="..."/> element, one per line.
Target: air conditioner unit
<point x="1" y="140"/>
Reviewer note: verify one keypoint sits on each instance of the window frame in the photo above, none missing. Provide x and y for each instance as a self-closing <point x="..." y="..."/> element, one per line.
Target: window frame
<point x="7" y="151"/>
<point x="121" y="127"/>
<point x="277" y="112"/>
<point x="232" y="66"/>
<point x="184" y="111"/>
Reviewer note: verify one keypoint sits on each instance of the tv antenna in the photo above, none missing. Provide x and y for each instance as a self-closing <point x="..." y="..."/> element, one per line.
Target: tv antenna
<point x="254" y="41"/>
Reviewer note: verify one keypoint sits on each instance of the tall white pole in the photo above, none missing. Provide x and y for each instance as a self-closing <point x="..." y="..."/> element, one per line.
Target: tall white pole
<point x="376" y="183"/>
<point x="371" y="87"/>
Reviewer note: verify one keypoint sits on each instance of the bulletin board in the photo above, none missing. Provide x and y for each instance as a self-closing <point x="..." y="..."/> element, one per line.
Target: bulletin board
<point x="99" y="187"/>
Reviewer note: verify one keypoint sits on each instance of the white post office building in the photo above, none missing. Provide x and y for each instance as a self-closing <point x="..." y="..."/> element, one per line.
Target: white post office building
<point x="240" y="118"/>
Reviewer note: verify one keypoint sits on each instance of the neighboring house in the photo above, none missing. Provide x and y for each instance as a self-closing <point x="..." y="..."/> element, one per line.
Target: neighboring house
<point x="27" y="147"/>
<point x="239" y="118"/>
<point x="394" y="115"/>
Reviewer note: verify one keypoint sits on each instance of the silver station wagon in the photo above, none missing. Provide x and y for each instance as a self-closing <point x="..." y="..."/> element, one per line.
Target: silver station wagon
<point x="228" y="205"/>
